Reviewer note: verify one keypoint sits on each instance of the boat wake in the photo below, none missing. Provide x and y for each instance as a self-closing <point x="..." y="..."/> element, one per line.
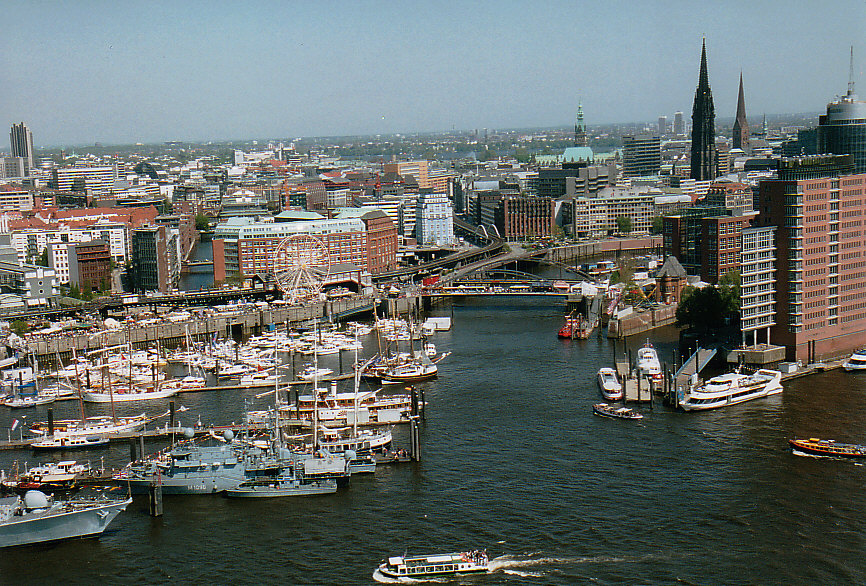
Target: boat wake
<point x="517" y="565"/>
<point x="383" y="579"/>
<point x="797" y="452"/>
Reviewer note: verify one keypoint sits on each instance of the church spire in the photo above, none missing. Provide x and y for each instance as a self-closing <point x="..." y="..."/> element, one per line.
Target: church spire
<point x="703" y="164"/>
<point x="741" y="125"/>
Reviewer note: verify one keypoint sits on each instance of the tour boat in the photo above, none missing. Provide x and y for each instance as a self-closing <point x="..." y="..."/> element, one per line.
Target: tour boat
<point x="609" y="385"/>
<point x="606" y="410"/>
<point x="857" y="361"/>
<point x="334" y="407"/>
<point x="732" y="388"/>
<point x="819" y="447"/>
<point x="448" y="564"/>
<point x="648" y="363"/>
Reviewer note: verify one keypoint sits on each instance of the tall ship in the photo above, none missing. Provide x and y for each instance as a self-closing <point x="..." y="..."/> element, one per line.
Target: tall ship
<point x="38" y="518"/>
<point x="732" y="388"/>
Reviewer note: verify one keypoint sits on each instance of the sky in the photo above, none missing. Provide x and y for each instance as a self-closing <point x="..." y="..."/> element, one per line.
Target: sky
<point x="123" y="72"/>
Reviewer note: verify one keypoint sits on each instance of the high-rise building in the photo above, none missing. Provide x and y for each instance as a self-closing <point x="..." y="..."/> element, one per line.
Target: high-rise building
<point x="21" y="140"/>
<point x="580" y="128"/>
<point x="842" y="130"/>
<point x="741" y="125"/>
<point x="703" y="165"/>
<point x="817" y="210"/>
<point x="434" y="219"/>
<point x="641" y="155"/>
<point x="663" y="125"/>
<point x="150" y="270"/>
<point x="679" y="124"/>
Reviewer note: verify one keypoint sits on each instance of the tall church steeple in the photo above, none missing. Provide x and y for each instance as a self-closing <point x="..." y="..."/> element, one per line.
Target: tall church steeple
<point x="580" y="128"/>
<point x="741" y="126"/>
<point x="703" y="126"/>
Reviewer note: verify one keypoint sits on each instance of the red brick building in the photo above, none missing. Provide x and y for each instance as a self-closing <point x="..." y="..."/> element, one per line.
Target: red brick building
<point x="520" y="217"/>
<point x="820" y="258"/>
<point x="90" y="265"/>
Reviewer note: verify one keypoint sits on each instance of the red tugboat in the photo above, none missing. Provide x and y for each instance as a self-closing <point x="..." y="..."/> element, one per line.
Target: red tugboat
<point x="575" y="328"/>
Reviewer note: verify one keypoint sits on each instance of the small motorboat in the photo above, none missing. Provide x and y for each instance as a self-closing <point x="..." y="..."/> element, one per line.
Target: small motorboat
<point x="70" y="442"/>
<point x="606" y="410"/>
<point x="609" y="385"/>
<point x="818" y="447"/>
<point x="425" y="566"/>
<point x="24" y="402"/>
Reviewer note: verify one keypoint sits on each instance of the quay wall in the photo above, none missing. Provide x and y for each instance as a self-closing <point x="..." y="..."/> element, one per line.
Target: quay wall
<point x="637" y="323"/>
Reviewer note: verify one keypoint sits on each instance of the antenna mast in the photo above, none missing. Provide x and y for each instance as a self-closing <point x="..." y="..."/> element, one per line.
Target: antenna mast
<point x="851" y="73"/>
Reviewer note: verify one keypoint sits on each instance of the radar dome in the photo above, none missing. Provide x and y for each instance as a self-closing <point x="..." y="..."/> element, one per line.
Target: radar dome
<point x="228" y="435"/>
<point x="349" y="454"/>
<point x="34" y="499"/>
<point x="188" y="432"/>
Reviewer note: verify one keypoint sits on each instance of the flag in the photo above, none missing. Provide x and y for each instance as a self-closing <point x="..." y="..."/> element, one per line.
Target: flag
<point x="15" y="424"/>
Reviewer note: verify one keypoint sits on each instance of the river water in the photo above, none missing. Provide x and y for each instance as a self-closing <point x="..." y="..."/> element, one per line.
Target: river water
<point x="514" y="461"/>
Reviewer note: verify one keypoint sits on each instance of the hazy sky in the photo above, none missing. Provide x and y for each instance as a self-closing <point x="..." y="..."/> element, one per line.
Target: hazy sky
<point x="118" y="72"/>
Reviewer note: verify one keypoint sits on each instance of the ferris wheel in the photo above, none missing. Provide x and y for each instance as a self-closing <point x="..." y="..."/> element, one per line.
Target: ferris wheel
<point x="301" y="266"/>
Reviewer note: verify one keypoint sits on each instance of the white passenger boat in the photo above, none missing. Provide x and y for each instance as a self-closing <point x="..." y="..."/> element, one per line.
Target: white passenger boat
<point x="732" y="388"/>
<point x="648" y="363"/>
<point x="97" y="425"/>
<point x="439" y="565"/>
<point x="609" y="385"/>
<point x="857" y="361"/>
<point x="67" y="441"/>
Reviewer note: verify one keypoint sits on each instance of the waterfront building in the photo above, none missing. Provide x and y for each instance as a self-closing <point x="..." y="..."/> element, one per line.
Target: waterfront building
<point x="818" y="211"/>
<point x="842" y="130"/>
<point x="741" y="125"/>
<point x="434" y="219"/>
<point x="757" y="284"/>
<point x="381" y="237"/>
<point x="641" y="155"/>
<point x="21" y="141"/>
<point x="249" y="247"/>
<point x="89" y="265"/>
<point x="663" y="125"/>
<point x="703" y="126"/>
<point x="150" y="268"/>
<point x="524" y="218"/>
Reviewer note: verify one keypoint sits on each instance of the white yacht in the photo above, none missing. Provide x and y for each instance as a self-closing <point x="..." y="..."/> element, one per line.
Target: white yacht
<point x="857" y="361"/>
<point x="648" y="363"/>
<point x="609" y="385"/>
<point x="732" y="388"/>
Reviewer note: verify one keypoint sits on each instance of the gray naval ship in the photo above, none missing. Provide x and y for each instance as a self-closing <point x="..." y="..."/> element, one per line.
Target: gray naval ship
<point x="192" y="468"/>
<point x="37" y="518"/>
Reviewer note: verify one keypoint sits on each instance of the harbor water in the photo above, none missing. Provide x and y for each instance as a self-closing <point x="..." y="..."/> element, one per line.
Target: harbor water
<point x="514" y="461"/>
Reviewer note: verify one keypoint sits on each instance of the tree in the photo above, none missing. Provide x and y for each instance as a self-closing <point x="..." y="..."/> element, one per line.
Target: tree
<point x="708" y="308"/>
<point x="658" y="225"/>
<point x="521" y="154"/>
<point x="729" y="288"/>
<point x="623" y="224"/>
<point x="19" y="327"/>
<point x="42" y="259"/>
<point x="202" y="222"/>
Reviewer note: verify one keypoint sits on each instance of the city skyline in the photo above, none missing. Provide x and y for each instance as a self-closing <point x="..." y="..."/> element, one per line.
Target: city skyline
<point x="202" y="72"/>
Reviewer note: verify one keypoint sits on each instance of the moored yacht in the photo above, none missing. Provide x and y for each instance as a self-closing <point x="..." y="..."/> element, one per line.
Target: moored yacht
<point x="609" y="385"/>
<point x="648" y="363"/>
<point x="732" y="388"/>
<point x="857" y="361"/>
